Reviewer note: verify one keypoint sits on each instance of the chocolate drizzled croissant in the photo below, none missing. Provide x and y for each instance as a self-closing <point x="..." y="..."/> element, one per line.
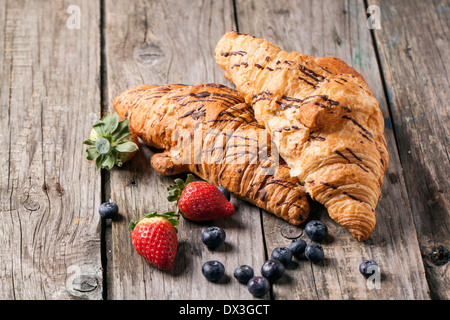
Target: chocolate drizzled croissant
<point x="326" y="121"/>
<point x="207" y="129"/>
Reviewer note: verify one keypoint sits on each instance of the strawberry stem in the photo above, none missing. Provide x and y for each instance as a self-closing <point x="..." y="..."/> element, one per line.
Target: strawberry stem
<point x="102" y="145"/>
<point x="109" y="139"/>
<point x="175" y="189"/>
<point x="172" y="216"/>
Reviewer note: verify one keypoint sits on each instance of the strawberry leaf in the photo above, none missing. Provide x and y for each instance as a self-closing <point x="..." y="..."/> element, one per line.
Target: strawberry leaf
<point x="91" y="153"/>
<point x="174" y="193"/>
<point x="107" y="124"/>
<point x="176" y="189"/>
<point x="171" y="216"/>
<point x="132" y="225"/>
<point x="174" y="222"/>
<point x="190" y="178"/>
<point x="99" y="160"/>
<point x="108" y="162"/>
<point x="89" y="142"/>
<point x="173" y="196"/>
<point x="180" y="184"/>
<point x="110" y="122"/>
<point x="122" y="130"/>
<point x="127" y="146"/>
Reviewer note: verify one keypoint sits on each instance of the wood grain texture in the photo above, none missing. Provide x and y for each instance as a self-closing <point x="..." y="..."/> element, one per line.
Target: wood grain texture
<point x="413" y="44"/>
<point x="158" y="42"/>
<point x="339" y="28"/>
<point x="50" y="93"/>
<point x="49" y="193"/>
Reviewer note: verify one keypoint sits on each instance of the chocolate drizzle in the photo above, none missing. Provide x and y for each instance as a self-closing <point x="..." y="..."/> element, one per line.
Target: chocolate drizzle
<point x="262" y="194"/>
<point x="325" y="69"/>
<point x="319" y="138"/>
<point x="291" y="99"/>
<point x="195" y="113"/>
<point x="233" y="53"/>
<point x="324" y="97"/>
<point x="283" y="106"/>
<point x="362" y="167"/>
<point x="199" y="95"/>
<point x="309" y="82"/>
<point x="303" y="101"/>
<point x="353" y="197"/>
<point x="229" y="97"/>
<point x="263" y="95"/>
<point x="353" y="154"/>
<point x="356" y="157"/>
<point x="310" y="73"/>
<point x="360" y="126"/>
<point x="343" y="156"/>
<point x="345" y="193"/>
<point x="245" y="64"/>
<point x="286" y="129"/>
<point x="329" y="185"/>
<point x="365" y="136"/>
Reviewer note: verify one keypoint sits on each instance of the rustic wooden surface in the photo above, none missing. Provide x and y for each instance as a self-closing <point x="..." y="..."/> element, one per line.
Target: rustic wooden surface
<point x="49" y="96"/>
<point x="56" y="81"/>
<point x="415" y="62"/>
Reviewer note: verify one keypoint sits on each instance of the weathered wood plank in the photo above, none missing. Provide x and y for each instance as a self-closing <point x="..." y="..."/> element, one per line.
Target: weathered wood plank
<point x="159" y="42"/>
<point x="339" y="28"/>
<point x="414" y="43"/>
<point x="49" y="194"/>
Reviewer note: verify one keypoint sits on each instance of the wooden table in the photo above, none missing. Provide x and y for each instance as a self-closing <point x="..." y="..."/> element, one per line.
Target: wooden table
<point x="59" y="74"/>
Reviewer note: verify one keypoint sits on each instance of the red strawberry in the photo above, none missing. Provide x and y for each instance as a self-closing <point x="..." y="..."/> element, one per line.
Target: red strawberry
<point x="200" y="200"/>
<point x="155" y="238"/>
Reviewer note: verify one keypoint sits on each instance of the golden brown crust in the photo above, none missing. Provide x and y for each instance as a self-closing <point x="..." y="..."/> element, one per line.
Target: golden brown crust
<point x="326" y="121"/>
<point x="208" y="130"/>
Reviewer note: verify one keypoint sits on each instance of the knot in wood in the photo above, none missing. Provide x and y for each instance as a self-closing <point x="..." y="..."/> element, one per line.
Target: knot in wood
<point x="85" y="283"/>
<point x="291" y="232"/>
<point x="148" y="53"/>
<point x="31" y="205"/>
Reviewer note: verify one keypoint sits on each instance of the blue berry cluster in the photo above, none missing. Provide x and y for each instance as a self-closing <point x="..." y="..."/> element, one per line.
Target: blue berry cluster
<point x="275" y="267"/>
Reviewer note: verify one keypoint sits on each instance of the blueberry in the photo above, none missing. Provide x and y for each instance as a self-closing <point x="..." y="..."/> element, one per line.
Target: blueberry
<point x="368" y="268"/>
<point x="314" y="252"/>
<point x="213" y="270"/>
<point x="440" y="255"/>
<point x="282" y="254"/>
<point x="272" y="270"/>
<point x="316" y="230"/>
<point x="243" y="273"/>
<point x="297" y="247"/>
<point x="108" y="210"/>
<point x="225" y="192"/>
<point x="213" y="237"/>
<point x="258" y="286"/>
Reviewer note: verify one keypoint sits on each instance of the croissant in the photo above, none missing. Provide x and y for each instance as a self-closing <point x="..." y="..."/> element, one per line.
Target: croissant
<point x="208" y="130"/>
<point x="325" y="120"/>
